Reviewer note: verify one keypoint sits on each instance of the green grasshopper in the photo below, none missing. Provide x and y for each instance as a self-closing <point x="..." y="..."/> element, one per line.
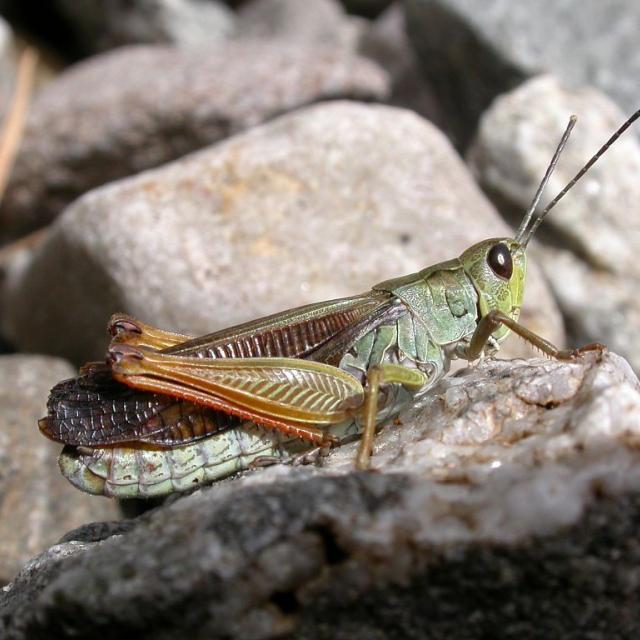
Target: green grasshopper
<point x="166" y="411"/>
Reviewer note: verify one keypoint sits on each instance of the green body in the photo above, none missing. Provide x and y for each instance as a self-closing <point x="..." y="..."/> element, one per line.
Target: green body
<point x="443" y="305"/>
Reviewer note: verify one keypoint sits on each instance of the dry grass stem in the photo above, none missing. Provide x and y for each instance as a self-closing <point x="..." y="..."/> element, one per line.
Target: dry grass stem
<point x="14" y="121"/>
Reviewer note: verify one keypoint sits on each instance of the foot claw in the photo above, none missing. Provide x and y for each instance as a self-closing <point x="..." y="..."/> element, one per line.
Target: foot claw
<point x="593" y="346"/>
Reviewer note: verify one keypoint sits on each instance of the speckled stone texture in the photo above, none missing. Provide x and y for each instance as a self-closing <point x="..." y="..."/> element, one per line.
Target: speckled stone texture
<point x="114" y="115"/>
<point x="316" y="205"/>
<point x="505" y="507"/>
<point x="36" y="505"/>
<point x="593" y="235"/>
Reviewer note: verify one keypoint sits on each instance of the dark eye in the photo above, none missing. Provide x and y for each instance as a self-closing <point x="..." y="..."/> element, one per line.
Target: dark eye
<point x="499" y="259"/>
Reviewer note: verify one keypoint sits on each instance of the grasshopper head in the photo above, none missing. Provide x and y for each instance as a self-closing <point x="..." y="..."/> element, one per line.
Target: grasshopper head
<point x="497" y="269"/>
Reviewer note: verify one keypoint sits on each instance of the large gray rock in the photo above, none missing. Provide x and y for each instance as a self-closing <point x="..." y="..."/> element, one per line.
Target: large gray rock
<point x="471" y="54"/>
<point x="99" y="26"/>
<point x="592" y="264"/>
<point x="36" y="505"/>
<point x="137" y="107"/>
<point x="512" y="479"/>
<point x="316" y="205"/>
<point x="322" y="21"/>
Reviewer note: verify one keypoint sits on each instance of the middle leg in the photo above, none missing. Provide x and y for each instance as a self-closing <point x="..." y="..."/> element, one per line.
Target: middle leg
<point x="412" y="379"/>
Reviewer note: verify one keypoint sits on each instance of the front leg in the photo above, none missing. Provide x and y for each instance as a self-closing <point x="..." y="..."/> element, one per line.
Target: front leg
<point x="489" y="323"/>
<point x="412" y="379"/>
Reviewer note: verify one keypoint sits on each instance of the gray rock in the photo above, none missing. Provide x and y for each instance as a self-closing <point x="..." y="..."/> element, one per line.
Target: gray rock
<point x="99" y="26"/>
<point x="598" y="221"/>
<point x="512" y="479"/>
<point x="137" y="107"/>
<point x="318" y="204"/>
<point x="36" y="505"/>
<point x="386" y="42"/>
<point x="472" y="55"/>
<point x="322" y="21"/>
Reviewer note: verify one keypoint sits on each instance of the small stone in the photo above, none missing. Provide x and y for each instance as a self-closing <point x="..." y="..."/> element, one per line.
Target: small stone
<point x="137" y="107"/>
<point x="37" y="506"/>
<point x="592" y="263"/>
<point x="319" y="204"/>
<point x="100" y="26"/>
<point x="471" y="55"/>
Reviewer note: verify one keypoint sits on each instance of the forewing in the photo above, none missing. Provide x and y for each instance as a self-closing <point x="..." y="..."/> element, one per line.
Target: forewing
<point x="296" y="333"/>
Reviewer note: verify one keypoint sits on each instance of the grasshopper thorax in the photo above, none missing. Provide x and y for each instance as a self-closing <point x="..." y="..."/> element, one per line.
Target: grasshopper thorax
<point x="497" y="269"/>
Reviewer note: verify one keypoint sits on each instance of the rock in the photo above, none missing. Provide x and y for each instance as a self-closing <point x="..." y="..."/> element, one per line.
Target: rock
<point x="322" y="21"/>
<point x="470" y="56"/>
<point x="512" y="479"/>
<point x="137" y="107"/>
<point x="99" y="26"/>
<point x="386" y="42"/>
<point x="318" y="204"/>
<point x="595" y="231"/>
<point x="37" y="506"/>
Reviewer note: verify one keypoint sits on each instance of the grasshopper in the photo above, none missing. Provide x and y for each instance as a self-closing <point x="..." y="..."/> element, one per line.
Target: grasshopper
<point x="167" y="411"/>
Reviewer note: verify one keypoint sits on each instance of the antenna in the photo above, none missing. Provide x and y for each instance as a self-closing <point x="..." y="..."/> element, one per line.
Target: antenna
<point x="536" y="199"/>
<point x="538" y="219"/>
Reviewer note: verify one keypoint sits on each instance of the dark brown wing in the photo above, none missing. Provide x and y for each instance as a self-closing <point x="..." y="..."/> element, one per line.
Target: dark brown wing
<point x="296" y="333"/>
<point x="95" y="410"/>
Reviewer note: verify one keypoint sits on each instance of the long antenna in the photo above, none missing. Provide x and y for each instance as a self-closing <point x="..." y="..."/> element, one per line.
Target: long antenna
<point x="536" y="199"/>
<point x="625" y="125"/>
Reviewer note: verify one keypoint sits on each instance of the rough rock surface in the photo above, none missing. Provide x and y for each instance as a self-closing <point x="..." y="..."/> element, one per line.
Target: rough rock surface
<point x="505" y="507"/>
<point x="37" y="506"/>
<point x="116" y="114"/>
<point x="322" y="21"/>
<point x="470" y="55"/>
<point x="316" y="205"/>
<point x="594" y="232"/>
<point x="99" y="26"/>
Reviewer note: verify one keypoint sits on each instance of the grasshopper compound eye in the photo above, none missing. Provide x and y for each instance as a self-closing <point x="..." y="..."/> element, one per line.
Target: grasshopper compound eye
<point x="500" y="261"/>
